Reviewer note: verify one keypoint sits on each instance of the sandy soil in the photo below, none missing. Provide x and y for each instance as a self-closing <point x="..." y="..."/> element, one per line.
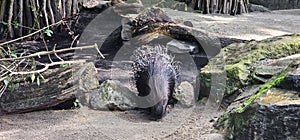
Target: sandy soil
<point x="91" y="124"/>
<point x="254" y="25"/>
<point x="193" y="123"/>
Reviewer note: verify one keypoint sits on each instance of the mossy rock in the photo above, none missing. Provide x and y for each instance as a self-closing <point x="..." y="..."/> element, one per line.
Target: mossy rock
<point x="267" y="111"/>
<point x="238" y="59"/>
<point x="275" y="115"/>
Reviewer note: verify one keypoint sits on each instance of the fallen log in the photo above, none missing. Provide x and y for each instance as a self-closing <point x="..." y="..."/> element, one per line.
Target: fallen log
<point x="59" y="85"/>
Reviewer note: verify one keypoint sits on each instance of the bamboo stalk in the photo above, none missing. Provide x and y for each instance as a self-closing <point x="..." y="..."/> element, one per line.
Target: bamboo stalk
<point x="64" y="8"/>
<point x="60" y="7"/>
<point x="55" y="8"/>
<point x="10" y="16"/>
<point x="35" y="14"/>
<point x="21" y="16"/>
<point x="45" y="12"/>
<point x="75" y="7"/>
<point x="242" y="7"/>
<point x="206" y="7"/>
<point x="51" y="12"/>
<point x="69" y="8"/>
<point x="2" y="10"/>
<point x="28" y="16"/>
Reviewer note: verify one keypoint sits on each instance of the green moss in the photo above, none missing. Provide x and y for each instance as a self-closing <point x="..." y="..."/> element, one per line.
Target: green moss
<point x="234" y="124"/>
<point x="107" y="90"/>
<point x="276" y="80"/>
<point x="239" y="125"/>
<point x="238" y="58"/>
<point x="238" y="72"/>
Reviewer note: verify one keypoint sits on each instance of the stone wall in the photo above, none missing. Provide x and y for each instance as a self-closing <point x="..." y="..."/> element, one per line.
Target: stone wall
<point x="278" y="4"/>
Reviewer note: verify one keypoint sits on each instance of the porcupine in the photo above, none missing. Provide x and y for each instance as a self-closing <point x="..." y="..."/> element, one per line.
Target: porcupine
<point x="156" y="74"/>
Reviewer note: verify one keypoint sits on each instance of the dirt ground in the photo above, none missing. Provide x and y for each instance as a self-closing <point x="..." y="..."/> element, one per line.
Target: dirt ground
<point x="92" y="124"/>
<point x="192" y="123"/>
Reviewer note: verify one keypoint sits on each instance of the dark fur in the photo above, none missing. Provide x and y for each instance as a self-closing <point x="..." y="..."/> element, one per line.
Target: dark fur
<point x="155" y="73"/>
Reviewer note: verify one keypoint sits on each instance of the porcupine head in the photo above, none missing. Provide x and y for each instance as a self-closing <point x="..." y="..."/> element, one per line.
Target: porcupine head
<point x="155" y="77"/>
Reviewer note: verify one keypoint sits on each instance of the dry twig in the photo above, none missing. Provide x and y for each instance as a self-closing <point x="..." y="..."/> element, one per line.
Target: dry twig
<point x="29" y="35"/>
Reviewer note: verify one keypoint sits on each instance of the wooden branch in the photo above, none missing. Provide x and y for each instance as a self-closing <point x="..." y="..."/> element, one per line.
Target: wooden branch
<point x="8" y="69"/>
<point x="42" y="53"/>
<point x="46" y="67"/>
<point x="46" y="46"/>
<point x="57" y="54"/>
<point x="74" y="39"/>
<point x="29" y="35"/>
<point x="3" y="88"/>
<point x="11" y="67"/>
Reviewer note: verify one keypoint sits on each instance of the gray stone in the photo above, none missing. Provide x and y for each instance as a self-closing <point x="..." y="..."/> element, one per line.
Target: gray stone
<point x="185" y="94"/>
<point x="257" y="8"/>
<point x="176" y="46"/>
<point x="263" y="70"/>
<point x="213" y="136"/>
<point x="112" y="95"/>
<point x="94" y="4"/>
<point x="180" y="6"/>
<point x="188" y="23"/>
<point x="126" y="33"/>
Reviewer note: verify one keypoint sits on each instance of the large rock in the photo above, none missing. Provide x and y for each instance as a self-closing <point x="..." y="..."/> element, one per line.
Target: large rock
<point x="236" y="61"/>
<point x="185" y="94"/>
<point x="272" y="114"/>
<point x="275" y="115"/>
<point x="112" y="95"/>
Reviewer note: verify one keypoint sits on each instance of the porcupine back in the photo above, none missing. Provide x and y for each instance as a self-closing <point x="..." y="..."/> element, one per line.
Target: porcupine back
<point x="155" y="74"/>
